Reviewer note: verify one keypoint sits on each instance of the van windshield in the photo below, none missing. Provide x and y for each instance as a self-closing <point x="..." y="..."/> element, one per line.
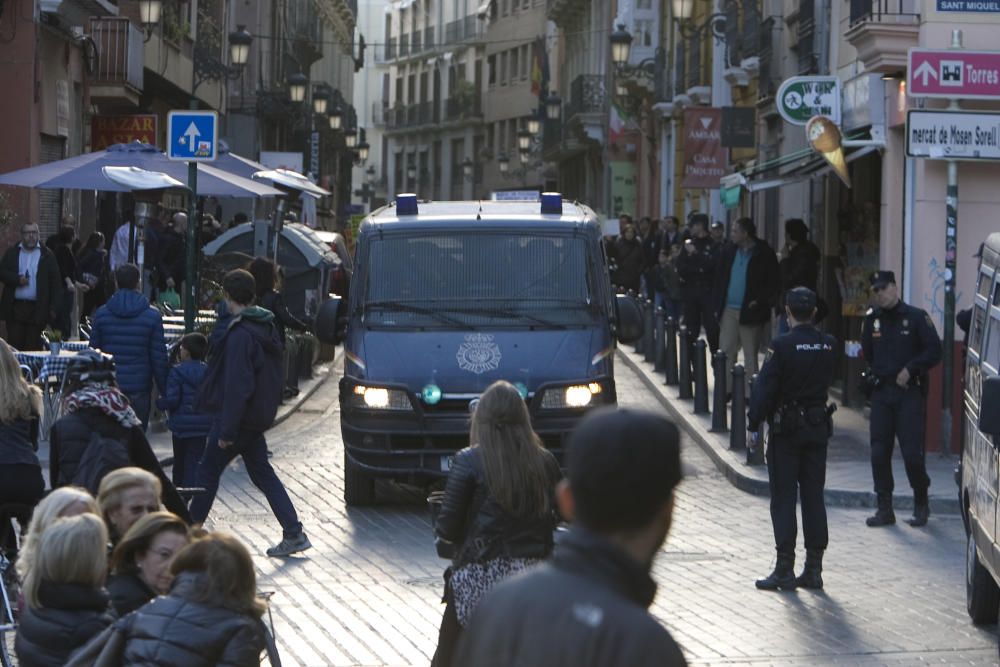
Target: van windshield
<point x="470" y="279"/>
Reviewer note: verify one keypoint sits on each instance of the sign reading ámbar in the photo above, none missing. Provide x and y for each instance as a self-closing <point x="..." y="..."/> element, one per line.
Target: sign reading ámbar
<point x="108" y="130"/>
<point x="802" y="97"/>
<point x="704" y="156"/>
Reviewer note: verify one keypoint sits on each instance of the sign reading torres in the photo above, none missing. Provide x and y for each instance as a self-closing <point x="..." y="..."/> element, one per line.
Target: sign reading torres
<point x="954" y="73"/>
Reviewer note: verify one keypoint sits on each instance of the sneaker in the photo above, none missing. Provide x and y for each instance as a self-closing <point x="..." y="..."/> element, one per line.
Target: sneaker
<point x="290" y="545"/>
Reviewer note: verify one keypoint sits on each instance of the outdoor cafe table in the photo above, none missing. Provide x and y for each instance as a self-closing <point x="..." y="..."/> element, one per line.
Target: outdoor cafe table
<point x="48" y="370"/>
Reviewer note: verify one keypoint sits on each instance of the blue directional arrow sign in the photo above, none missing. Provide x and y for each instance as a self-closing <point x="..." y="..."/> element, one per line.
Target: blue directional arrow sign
<point x="192" y="135"/>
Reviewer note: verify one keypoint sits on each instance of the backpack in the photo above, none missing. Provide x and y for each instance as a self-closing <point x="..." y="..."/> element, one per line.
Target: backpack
<point x="102" y="455"/>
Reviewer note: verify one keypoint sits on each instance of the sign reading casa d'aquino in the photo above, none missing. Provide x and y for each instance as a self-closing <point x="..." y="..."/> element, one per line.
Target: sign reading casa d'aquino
<point x="992" y="6"/>
<point x="704" y="156"/>
<point x="108" y="130"/>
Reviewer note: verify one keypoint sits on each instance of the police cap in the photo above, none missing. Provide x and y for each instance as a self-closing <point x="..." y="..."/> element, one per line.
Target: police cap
<point x="800" y="298"/>
<point x="880" y="279"/>
<point x="717" y="224"/>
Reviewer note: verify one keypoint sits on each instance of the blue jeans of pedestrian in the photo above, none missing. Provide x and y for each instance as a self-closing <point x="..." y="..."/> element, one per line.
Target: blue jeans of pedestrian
<point x="141" y="404"/>
<point x="187" y="454"/>
<point x="252" y="446"/>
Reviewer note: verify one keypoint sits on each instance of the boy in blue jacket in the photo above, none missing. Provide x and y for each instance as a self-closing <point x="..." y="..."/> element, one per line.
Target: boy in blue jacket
<point x="188" y="424"/>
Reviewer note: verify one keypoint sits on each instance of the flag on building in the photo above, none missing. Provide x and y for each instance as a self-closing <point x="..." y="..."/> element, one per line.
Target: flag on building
<point x="616" y="123"/>
<point x="539" y="67"/>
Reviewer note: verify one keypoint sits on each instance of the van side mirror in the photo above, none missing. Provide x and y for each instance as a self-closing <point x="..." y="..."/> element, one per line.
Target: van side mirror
<point x="989" y="407"/>
<point x="327" y="326"/>
<point x="629" y="318"/>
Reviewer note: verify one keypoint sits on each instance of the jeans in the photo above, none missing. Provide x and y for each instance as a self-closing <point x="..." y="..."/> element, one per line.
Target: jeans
<point x="141" y="404"/>
<point x="252" y="446"/>
<point x="187" y="454"/>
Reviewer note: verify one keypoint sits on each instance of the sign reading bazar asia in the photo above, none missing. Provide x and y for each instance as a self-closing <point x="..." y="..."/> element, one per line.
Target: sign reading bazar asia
<point x="704" y="156"/>
<point x="108" y="130"/>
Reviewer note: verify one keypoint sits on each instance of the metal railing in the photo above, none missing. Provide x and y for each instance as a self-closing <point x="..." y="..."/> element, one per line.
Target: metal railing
<point x="462" y="30"/>
<point x="404" y="45"/>
<point x="680" y="67"/>
<point x="806" y="45"/>
<point x="379" y="114"/>
<point x="416" y="42"/>
<point x="390" y="49"/>
<point x="587" y="94"/>
<point x="460" y="108"/>
<point x="885" y="11"/>
<point x="119" y="51"/>
<point x="429" y="37"/>
<point x="765" y="79"/>
<point x="693" y="73"/>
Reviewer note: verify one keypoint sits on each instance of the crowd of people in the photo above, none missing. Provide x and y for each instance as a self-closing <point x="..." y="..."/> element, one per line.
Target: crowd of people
<point x="728" y="288"/>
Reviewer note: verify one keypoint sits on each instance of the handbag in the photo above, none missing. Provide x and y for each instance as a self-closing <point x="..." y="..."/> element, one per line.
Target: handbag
<point x="105" y="650"/>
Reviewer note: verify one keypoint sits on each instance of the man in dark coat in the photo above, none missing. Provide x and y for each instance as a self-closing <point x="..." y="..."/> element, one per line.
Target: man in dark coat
<point x="242" y="390"/>
<point x="746" y="290"/>
<point x="587" y="606"/>
<point x="799" y="266"/>
<point x="696" y="266"/>
<point x="30" y="276"/>
<point x="131" y="331"/>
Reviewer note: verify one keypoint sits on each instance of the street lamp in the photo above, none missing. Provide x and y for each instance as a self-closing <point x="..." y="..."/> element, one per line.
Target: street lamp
<point x="239" y="46"/>
<point x="370" y="174"/>
<point x="553" y="106"/>
<point x="524" y="140"/>
<point x="534" y="124"/>
<point x="683" y="9"/>
<point x="336" y="118"/>
<point x="351" y="139"/>
<point x="149" y="16"/>
<point x="297" y="84"/>
<point x="504" y="163"/>
<point x="621" y="45"/>
<point x="320" y="100"/>
<point x="620" y="89"/>
<point x="524" y="156"/>
<point x="363" y="151"/>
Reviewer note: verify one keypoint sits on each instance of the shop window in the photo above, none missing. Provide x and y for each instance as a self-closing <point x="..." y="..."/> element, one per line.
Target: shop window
<point x="996" y="294"/>
<point x="992" y="356"/>
<point x="983" y="288"/>
<point x="978" y="324"/>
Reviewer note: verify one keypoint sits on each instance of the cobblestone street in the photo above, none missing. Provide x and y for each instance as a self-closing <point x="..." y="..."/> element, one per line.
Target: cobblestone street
<point x="368" y="592"/>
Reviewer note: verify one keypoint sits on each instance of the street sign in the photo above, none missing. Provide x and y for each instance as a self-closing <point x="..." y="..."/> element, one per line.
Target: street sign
<point x="953" y="135"/>
<point x="954" y="73"/>
<point x="802" y="97"/>
<point x="980" y="6"/>
<point x="192" y="135"/>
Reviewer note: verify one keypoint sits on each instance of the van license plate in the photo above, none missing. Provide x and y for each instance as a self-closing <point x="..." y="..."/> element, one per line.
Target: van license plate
<point x="446" y="463"/>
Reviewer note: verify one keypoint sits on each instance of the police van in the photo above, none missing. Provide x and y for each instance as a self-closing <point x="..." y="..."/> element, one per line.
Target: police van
<point x="449" y="297"/>
<point x="979" y="474"/>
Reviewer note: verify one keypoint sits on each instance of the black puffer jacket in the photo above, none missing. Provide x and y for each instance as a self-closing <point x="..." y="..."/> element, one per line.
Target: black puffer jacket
<point x="128" y="592"/>
<point x="478" y="526"/>
<point x="70" y="615"/>
<point x="175" y="631"/>
<point x="586" y="607"/>
<point x="70" y="437"/>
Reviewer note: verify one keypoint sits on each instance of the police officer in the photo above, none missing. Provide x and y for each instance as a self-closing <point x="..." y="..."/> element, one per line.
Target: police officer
<point x="696" y="267"/>
<point x="791" y="393"/>
<point x="901" y="346"/>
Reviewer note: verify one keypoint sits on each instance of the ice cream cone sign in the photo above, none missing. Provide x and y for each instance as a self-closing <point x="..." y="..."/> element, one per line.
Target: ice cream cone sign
<point x="824" y="136"/>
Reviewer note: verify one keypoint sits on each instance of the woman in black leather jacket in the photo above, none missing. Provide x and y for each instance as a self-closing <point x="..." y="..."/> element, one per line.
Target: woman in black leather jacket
<point x="498" y="508"/>
<point x="140" y="564"/>
<point x="65" y="601"/>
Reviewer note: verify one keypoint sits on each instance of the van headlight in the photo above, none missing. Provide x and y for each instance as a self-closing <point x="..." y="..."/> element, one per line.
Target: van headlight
<point x="574" y="396"/>
<point x="379" y="398"/>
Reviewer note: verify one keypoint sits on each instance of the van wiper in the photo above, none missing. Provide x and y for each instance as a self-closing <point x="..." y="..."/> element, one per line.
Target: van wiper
<point x="506" y="312"/>
<point x="407" y="307"/>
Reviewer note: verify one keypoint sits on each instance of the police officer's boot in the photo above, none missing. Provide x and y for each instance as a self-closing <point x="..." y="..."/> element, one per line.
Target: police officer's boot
<point x="812" y="573"/>
<point x="783" y="576"/>
<point x="884" y="516"/>
<point x="921" y="509"/>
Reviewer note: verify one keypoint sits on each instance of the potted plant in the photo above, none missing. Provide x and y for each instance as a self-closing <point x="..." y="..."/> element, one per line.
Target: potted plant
<point x="54" y="338"/>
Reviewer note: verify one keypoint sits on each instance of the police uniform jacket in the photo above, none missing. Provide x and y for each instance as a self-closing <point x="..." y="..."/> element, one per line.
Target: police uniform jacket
<point x="798" y="368"/>
<point x="697" y="269"/>
<point x="900" y="337"/>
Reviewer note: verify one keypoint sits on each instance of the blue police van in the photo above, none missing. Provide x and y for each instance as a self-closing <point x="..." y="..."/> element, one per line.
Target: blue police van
<point x="449" y="297"/>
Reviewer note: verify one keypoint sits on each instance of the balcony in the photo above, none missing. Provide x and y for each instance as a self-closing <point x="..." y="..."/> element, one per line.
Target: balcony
<point x="379" y="114"/>
<point x="883" y="31"/>
<point x="117" y="77"/>
<point x="586" y="106"/>
<point x="564" y="12"/>
<point x="459" y="108"/>
<point x="416" y="45"/>
<point x="404" y="46"/>
<point x="463" y="30"/>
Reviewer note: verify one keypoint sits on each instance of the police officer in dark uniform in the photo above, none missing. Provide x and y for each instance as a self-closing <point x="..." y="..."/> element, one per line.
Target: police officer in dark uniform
<point x="901" y="346"/>
<point x="696" y="267"/>
<point x="790" y="392"/>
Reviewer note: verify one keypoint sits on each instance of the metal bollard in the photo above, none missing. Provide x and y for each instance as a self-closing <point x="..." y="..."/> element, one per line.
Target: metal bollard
<point x="649" y="333"/>
<point x="659" y="331"/>
<point x="700" y="379"/>
<point x="738" y="434"/>
<point x="670" y="365"/>
<point x="719" y="420"/>
<point x="684" y="374"/>
<point x="639" y="341"/>
<point x="755" y="455"/>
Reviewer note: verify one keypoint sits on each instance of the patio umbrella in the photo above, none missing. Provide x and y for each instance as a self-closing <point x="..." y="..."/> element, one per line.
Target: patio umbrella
<point x="84" y="172"/>
<point x="237" y="164"/>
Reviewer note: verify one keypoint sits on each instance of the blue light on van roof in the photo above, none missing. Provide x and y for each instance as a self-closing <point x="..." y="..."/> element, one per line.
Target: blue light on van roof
<point x="406" y="204"/>
<point x="431" y="394"/>
<point x="552" y="203"/>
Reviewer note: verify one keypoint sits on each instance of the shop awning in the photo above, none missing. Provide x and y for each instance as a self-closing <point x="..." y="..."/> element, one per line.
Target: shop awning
<point x="809" y="166"/>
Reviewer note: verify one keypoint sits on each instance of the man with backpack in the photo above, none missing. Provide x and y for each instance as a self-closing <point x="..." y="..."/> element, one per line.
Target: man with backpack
<point x="242" y="390"/>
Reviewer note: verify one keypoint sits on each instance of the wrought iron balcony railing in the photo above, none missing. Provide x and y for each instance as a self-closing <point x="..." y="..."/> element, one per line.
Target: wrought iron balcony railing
<point x="119" y="52"/>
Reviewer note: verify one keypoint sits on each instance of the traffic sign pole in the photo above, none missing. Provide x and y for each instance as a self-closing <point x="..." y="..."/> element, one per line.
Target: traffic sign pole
<point x="191" y="267"/>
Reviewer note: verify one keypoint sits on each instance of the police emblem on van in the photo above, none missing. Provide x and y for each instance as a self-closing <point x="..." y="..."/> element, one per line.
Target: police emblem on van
<point x="478" y="354"/>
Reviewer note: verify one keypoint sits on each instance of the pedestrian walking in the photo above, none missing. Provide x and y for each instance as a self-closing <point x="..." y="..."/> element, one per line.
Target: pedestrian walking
<point x="188" y="424"/>
<point x="21" y="480"/>
<point x="266" y="278"/>
<point x="140" y="564"/>
<point x="588" y="604"/>
<point x="799" y="265"/>
<point x="60" y="503"/>
<point x="65" y="601"/>
<point x="242" y="390"/>
<point x="210" y="617"/>
<point x="791" y="395"/>
<point x="498" y="510"/>
<point x="31" y="290"/>
<point x="69" y="284"/>
<point x="746" y="292"/>
<point x="671" y="236"/>
<point x="171" y="258"/>
<point x="697" y="267"/>
<point x="92" y="264"/>
<point x="901" y="346"/>
<point x="629" y="260"/>
<point x="667" y="282"/>
<point x="650" y="238"/>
